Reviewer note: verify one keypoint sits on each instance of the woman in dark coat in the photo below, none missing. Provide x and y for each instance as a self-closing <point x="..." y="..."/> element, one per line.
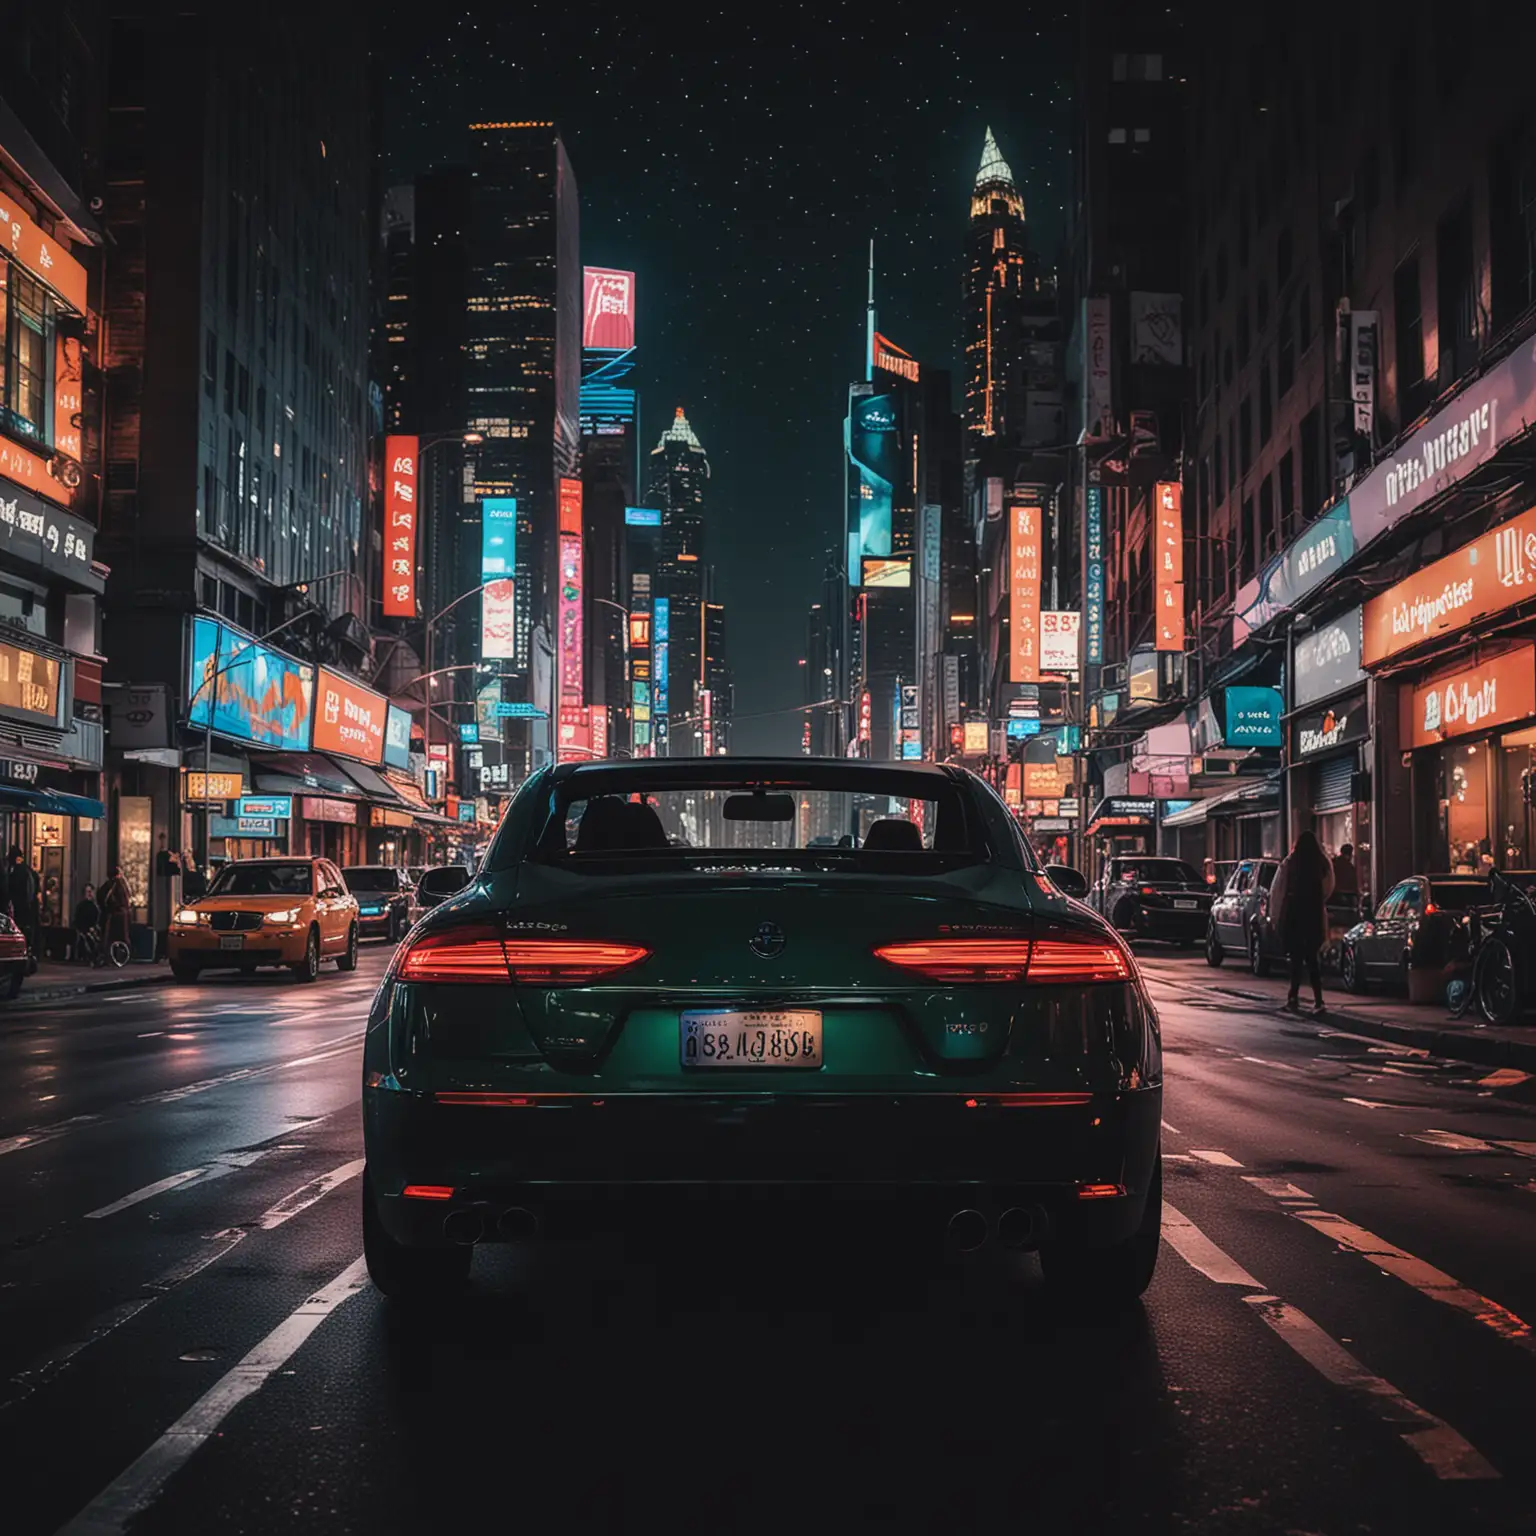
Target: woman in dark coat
<point x="1299" y="912"/>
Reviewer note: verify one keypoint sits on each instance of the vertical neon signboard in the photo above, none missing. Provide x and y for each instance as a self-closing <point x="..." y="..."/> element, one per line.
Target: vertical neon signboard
<point x="1024" y="554"/>
<point x="1093" y="577"/>
<point x="572" y="682"/>
<point x="400" y="486"/>
<point x="498" y="585"/>
<point x="1168" y="575"/>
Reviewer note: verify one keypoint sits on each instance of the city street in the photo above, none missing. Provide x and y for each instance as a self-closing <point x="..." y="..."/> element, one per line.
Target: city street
<point x="1337" y="1339"/>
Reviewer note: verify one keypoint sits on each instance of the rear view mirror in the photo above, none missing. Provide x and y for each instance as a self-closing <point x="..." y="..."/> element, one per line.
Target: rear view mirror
<point x="759" y="806"/>
<point x="445" y="880"/>
<point x="1067" y="880"/>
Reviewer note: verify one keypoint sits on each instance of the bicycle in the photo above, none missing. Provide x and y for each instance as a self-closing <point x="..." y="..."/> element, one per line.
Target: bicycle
<point x="1501" y="982"/>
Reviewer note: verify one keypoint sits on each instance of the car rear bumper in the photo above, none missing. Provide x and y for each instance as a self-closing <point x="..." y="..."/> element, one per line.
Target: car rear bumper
<point x="1165" y="923"/>
<point x="953" y="1150"/>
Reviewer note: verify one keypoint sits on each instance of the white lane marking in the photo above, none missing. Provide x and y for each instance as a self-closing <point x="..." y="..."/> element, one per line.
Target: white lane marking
<point x="1372" y="1104"/>
<point x="1505" y="1077"/>
<point x="324" y="1052"/>
<point x="223" y="1163"/>
<point x="148" y="1192"/>
<point x="1280" y="1189"/>
<point x="1519" y="1148"/>
<point x="41" y="1133"/>
<point x="1439" y="1446"/>
<point x="1283" y="1066"/>
<point x="1200" y="1253"/>
<point x="1217" y="1159"/>
<point x="1449" y="1141"/>
<point x="1172" y="1129"/>
<point x="1411" y="1270"/>
<point x="306" y="1195"/>
<point x="141" y="1483"/>
<point x="1177" y="1157"/>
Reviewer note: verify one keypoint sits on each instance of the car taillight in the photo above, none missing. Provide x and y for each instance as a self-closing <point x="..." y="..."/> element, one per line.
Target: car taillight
<point x="552" y="961"/>
<point x="1051" y="960"/>
<point x="474" y="954"/>
<point x="1149" y="890"/>
<point x="482" y="954"/>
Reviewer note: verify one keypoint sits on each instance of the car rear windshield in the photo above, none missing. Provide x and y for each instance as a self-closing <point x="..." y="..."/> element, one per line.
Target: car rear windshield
<point x="262" y="880"/>
<point x="372" y="879"/>
<point x="1162" y="870"/>
<point x="836" y="820"/>
<point x="1461" y="895"/>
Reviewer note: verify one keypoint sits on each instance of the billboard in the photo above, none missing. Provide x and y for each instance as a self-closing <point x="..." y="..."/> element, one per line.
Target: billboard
<point x="661" y="644"/>
<point x="400" y="488"/>
<point x="349" y="718"/>
<point x="1168" y="577"/>
<point x="642" y="517"/>
<point x="397" y="738"/>
<point x="1060" y="636"/>
<point x="571" y="680"/>
<point x="895" y="571"/>
<point x="872" y="462"/>
<point x="252" y="693"/>
<point x="1253" y="717"/>
<point x="608" y="308"/>
<point x="498" y="584"/>
<point x="1024" y="534"/>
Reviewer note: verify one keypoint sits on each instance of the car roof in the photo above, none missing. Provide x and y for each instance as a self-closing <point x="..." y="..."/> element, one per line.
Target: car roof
<point x="771" y="770"/>
<point x="277" y="858"/>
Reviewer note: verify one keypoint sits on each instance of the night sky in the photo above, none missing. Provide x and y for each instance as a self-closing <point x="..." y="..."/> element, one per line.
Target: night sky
<point x="739" y="163"/>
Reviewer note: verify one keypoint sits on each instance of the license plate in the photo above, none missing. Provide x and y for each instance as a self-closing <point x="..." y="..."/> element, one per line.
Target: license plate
<point x="231" y="941"/>
<point x="731" y="1038"/>
<point x="372" y="911"/>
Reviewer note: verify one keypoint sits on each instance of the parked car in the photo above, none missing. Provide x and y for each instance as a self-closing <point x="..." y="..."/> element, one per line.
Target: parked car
<point x="293" y="912"/>
<point x="1153" y="898"/>
<point x="14" y="963"/>
<point x="440" y="882"/>
<point x="1239" y="918"/>
<point x="386" y="899"/>
<point x="1423" y="911"/>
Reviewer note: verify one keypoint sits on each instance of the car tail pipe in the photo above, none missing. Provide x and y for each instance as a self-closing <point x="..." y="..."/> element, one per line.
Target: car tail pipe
<point x="464" y="1226"/>
<point x="968" y="1230"/>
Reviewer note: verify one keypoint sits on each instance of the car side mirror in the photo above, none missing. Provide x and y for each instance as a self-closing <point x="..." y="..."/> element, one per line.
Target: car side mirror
<point x="1068" y="881"/>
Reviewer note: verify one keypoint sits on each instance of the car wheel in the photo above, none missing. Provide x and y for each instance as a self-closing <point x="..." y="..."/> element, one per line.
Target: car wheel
<point x="1498" y="985"/>
<point x="11" y="986"/>
<point x="1349" y="970"/>
<point x="1113" y="1276"/>
<point x="1258" y="961"/>
<point x="347" y="960"/>
<point x="183" y="973"/>
<point x="1214" y="953"/>
<point x="403" y="1274"/>
<point x="309" y="967"/>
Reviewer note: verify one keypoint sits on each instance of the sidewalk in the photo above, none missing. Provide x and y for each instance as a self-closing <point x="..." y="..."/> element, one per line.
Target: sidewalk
<point x="56" y="978"/>
<point x="1380" y="1015"/>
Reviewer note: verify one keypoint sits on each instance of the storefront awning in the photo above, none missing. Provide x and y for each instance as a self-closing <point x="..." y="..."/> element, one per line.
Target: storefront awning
<point x="373" y="785"/>
<point x="1241" y="801"/>
<point x="51" y="802"/>
<point x="302" y="773"/>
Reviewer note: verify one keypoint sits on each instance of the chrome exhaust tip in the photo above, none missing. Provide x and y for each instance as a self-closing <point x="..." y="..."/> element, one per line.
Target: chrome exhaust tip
<point x="518" y="1224"/>
<point x="464" y="1227"/>
<point x="1016" y="1228"/>
<point x="967" y="1231"/>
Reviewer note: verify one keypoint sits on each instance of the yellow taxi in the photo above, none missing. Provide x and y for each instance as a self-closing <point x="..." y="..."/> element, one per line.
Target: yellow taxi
<point x="294" y="912"/>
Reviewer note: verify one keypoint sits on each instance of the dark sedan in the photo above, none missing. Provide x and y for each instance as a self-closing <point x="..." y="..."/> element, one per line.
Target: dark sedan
<point x="1423" y="911"/>
<point x="1153" y="898"/>
<point x="386" y="899"/>
<point x="923" y="1020"/>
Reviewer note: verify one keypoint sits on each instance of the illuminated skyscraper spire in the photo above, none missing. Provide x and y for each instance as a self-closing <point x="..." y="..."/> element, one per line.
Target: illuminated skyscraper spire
<point x="993" y="166"/>
<point x="869" y="338"/>
<point x="994" y="180"/>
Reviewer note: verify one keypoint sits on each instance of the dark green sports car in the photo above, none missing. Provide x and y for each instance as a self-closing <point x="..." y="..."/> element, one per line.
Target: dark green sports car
<point x="840" y="976"/>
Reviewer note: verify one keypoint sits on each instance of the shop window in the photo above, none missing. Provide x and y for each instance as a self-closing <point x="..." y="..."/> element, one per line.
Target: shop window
<point x="27" y="324"/>
<point x="1463" y="814"/>
<point x="1516" y="846"/>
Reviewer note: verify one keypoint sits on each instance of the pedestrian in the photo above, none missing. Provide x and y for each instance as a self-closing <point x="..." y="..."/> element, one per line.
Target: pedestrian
<point x="1298" y="911"/>
<point x="194" y="883"/>
<point x="21" y="894"/>
<point x="1346" y="880"/>
<point x="116" y="905"/>
<point x="87" y="925"/>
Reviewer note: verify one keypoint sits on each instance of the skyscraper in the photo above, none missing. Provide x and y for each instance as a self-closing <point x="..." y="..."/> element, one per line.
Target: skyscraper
<point x="679" y="474"/>
<point x="1013" y="390"/>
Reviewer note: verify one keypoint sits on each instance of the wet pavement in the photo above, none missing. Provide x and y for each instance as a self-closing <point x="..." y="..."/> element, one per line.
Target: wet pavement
<point x="1337" y="1339"/>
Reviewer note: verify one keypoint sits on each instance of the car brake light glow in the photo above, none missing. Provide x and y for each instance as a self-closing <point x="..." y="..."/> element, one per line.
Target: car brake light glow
<point x="1100" y="1191"/>
<point x="962" y="959"/>
<point x="1430" y="908"/>
<point x="550" y="961"/>
<point x="479" y="953"/>
<point x="428" y="1192"/>
<point x="1052" y="960"/>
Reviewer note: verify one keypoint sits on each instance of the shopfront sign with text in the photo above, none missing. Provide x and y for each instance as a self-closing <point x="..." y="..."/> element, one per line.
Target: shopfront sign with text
<point x="1497" y="691"/>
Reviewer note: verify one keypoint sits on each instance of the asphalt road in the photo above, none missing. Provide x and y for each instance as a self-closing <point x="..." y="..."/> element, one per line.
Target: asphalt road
<point x="1337" y="1339"/>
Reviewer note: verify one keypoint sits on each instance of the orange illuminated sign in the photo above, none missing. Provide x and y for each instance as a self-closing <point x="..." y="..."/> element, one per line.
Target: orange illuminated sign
<point x="1011" y="785"/>
<point x="349" y="718"/>
<point x="43" y="256"/>
<point x="401" y="483"/>
<point x="68" y="385"/>
<point x="31" y="470"/>
<point x="639" y="630"/>
<point x="570" y="506"/>
<point x="894" y="359"/>
<point x="214" y="786"/>
<point x="1169" y="570"/>
<point x="1491" y="573"/>
<point x="1497" y="691"/>
<point x="1048" y="781"/>
<point x="1024" y="594"/>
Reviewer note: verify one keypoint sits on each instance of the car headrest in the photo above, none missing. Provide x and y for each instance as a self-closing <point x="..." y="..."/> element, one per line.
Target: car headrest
<point x="604" y="826"/>
<point x="893" y="836"/>
<point x="643" y="828"/>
